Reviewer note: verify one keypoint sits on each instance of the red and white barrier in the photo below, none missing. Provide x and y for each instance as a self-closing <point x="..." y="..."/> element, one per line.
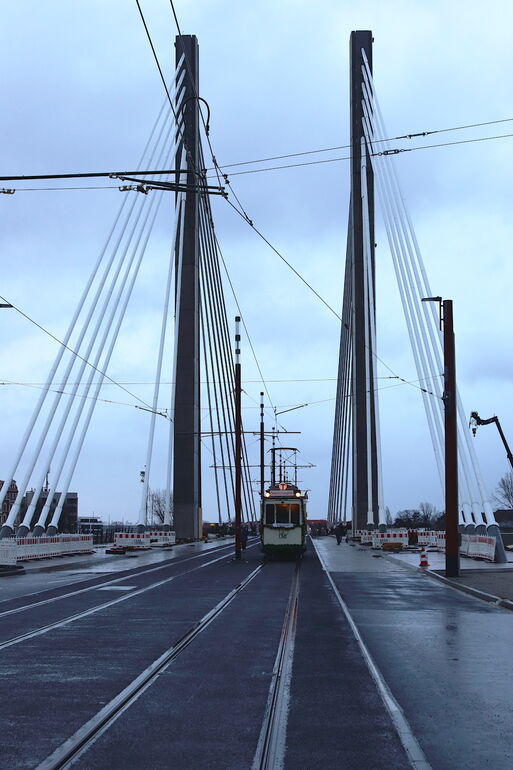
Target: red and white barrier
<point x="481" y="547"/>
<point x="425" y="537"/>
<point x="143" y="540"/>
<point x="161" y="538"/>
<point x="13" y="550"/>
<point x="399" y="536"/>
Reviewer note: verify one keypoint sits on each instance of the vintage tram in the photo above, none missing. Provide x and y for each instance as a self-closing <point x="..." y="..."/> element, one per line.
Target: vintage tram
<point x="283" y="525"/>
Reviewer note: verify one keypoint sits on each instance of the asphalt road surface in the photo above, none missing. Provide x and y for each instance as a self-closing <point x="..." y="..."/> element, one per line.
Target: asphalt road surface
<point x="170" y="660"/>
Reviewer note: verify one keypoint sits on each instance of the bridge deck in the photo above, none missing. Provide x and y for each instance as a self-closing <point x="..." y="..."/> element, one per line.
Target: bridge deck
<point x="444" y="656"/>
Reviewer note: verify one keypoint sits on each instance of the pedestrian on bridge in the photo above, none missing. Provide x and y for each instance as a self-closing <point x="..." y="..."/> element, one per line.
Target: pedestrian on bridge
<point x="340" y="532"/>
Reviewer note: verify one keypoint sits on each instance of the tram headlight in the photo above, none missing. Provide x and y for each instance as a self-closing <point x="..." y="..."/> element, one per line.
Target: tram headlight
<point x="267" y="494"/>
<point x="298" y="494"/>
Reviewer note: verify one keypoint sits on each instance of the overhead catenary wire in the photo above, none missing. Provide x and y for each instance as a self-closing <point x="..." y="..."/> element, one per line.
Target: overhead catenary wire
<point x="115" y="174"/>
<point x="373" y="141"/>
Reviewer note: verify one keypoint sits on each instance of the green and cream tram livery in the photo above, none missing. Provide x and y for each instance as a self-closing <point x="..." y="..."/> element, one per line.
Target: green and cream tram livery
<point x="283" y="519"/>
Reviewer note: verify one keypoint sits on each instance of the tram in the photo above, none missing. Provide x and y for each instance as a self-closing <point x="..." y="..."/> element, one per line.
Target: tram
<point x="283" y="519"/>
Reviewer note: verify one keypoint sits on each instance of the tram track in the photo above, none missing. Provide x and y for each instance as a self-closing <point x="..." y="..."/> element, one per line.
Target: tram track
<point x="69" y="751"/>
<point x="104" y="605"/>
<point x="270" y="751"/>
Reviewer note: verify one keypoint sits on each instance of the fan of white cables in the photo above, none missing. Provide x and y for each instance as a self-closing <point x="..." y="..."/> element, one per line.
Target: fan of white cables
<point x="421" y="318"/>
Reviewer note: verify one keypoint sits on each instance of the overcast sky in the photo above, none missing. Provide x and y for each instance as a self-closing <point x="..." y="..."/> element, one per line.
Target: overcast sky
<point x="80" y="91"/>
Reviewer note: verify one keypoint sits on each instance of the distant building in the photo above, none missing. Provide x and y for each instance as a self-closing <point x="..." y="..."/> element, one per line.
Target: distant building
<point x="504" y="518"/>
<point x="9" y="500"/>
<point x="69" y="516"/>
<point x="90" y="525"/>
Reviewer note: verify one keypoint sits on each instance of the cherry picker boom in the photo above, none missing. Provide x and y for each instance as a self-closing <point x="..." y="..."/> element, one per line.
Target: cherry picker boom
<point x="476" y="420"/>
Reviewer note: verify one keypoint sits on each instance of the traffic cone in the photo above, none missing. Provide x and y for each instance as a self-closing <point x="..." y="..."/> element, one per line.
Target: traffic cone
<point x="423" y="558"/>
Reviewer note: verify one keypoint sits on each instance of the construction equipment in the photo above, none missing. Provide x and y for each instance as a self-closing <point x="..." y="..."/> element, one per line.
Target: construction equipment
<point x="475" y="421"/>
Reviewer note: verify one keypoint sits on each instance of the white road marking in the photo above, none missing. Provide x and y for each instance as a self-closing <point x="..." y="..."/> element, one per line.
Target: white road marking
<point x="117" y="588"/>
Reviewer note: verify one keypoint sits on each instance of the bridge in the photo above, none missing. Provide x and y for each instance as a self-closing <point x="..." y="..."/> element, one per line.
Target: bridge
<point x="197" y="658"/>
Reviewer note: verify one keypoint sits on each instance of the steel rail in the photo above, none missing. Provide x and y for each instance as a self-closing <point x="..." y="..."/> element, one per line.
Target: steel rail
<point x="78" y="743"/>
<point x="131" y="574"/>
<point x="104" y="605"/>
<point x="270" y="751"/>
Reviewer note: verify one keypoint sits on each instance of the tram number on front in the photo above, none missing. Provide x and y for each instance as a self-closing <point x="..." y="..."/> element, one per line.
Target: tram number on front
<point x="283" y="533"/>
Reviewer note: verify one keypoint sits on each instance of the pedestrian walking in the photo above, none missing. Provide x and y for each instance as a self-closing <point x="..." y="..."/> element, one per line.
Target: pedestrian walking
<point x="340" y="532"/>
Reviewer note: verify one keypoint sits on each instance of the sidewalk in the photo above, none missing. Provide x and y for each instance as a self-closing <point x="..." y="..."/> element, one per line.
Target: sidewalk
<point x="484" y="580"/>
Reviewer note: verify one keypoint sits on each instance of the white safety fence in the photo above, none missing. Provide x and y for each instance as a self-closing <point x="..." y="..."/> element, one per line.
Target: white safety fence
<point x="399" y="536"/>
<point x="478" y="547"/>
<point x="365" y="535"/>
<point x="138" y="540"/>
<point x="403" y="536"/>
<point x="23" y="549"/>
<point x="427" y="537"/>
<point x="473" y="546"/>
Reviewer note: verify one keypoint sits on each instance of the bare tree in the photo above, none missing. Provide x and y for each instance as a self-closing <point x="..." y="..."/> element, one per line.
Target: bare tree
<point x="388" y="517"/>
<point x="422" y="517"/>
<point x="504" y="491"/>
<point x="157" y="505"/>
<point x="429" y="513"/>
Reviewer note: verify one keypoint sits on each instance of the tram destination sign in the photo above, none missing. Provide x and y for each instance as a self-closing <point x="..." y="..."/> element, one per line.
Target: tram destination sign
<point x="281" y="493"/>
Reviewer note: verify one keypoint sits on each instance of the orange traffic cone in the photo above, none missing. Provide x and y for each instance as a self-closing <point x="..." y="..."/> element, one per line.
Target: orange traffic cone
<point x="423" y="559"/>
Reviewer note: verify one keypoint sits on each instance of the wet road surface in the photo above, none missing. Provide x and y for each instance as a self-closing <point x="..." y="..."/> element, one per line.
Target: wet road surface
<point x="442" y="656"/>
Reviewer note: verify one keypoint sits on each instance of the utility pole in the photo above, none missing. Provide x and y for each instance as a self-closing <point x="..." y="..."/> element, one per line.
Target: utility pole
<point x="238" y="443"/>
<point x="452" y="535"/>
<point x="452" y="549"/>
<point x="273" y="460"/>
<point x="262" y="447"/>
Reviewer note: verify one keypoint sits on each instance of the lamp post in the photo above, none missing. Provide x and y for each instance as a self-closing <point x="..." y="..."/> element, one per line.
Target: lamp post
<point x="452" y="537"/>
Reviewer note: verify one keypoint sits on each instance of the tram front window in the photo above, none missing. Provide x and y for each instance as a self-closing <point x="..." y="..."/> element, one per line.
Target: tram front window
<point x="282" y="513"/>
<point x="294" y="514"/>
<point x="269" y="514"/>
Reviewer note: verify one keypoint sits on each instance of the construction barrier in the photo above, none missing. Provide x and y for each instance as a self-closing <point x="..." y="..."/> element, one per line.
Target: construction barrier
<point x="140" y="540"/>
<point x="7" y="552"/>
<point x="425" y="537"/>
<point x="14" y="550"/>
<point x="480" y="547"/>
<point x="399" y="536"/>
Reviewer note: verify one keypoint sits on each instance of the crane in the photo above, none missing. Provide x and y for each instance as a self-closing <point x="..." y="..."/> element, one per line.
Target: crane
<point x="476" y="420"/>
